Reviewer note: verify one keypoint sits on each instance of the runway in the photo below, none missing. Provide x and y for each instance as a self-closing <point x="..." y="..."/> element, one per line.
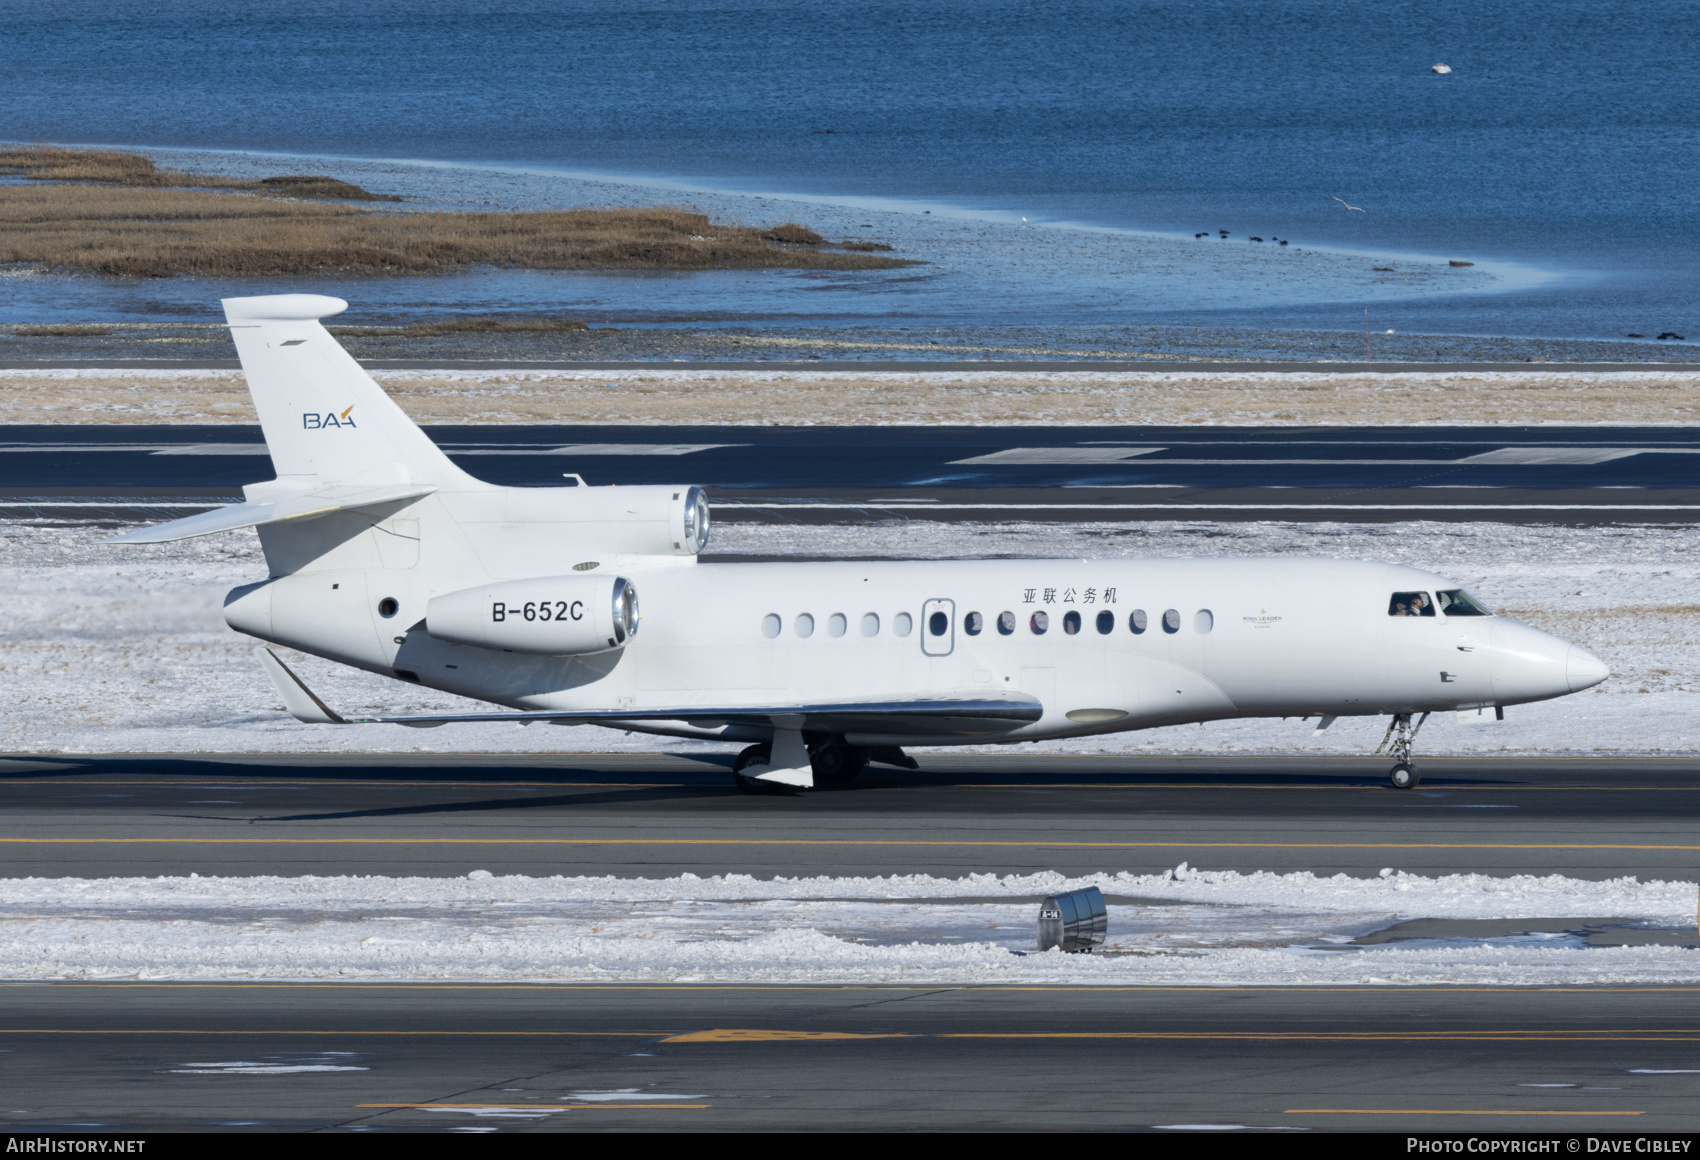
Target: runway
<point x="683" y="1057"/>
<point x="680" y="1056"/>
<point x="657" y="816"/>
<point x="1581" y="475"/>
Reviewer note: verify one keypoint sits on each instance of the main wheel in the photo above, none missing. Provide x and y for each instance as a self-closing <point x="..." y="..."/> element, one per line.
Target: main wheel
<point x="838" y="764"/>
<point x="1404" y="776"/>
<point x="754" y="755"/>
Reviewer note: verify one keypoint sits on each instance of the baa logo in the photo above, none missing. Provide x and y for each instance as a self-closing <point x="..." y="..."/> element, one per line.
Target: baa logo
<point x="314" y="422"/>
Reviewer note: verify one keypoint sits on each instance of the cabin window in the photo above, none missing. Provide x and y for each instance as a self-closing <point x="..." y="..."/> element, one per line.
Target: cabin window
<point x="1040" y="622"/>
<point x="973" y="623"/>
<point x="870" y="624"/>
<point x="836" y="624"/>
<point x="1136" y="621"/>
<point x="1071" y="623"/>
<point x="804" y="624"/>
<point x="902" y="624"/>
<point x="1410" y="604"/>
<point x="1457" y="602"/>
<point x="938" y="624"/>
<point x="1006" y="623"/>
<point x="770" y="625"/>
<point x="1171" y="621"/>
<point x="1203" y="620"/>
<point x="1106" y="622"/>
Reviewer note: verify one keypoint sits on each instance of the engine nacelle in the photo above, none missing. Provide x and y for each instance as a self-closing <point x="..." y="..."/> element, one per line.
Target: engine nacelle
<point x="551" y="615"/>
<point x="643" y="521"/>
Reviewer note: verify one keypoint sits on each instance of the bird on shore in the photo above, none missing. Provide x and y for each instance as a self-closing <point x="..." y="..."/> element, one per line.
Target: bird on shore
<point x="1354" y="208"/>
<point x="1441" y="69"/>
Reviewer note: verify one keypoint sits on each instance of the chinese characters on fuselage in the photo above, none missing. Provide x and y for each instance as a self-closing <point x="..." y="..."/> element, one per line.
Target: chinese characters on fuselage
<point x="1068" y="596"/>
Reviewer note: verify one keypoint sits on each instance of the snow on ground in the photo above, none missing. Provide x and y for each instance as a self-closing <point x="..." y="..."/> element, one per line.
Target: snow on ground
<point x="106" y="649"/>
<point x="1184" y="927"/>
<point x="1205" y="397"/>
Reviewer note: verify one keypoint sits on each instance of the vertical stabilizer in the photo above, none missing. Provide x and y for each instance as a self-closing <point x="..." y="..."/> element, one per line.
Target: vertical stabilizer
<point x="325" y="420"/>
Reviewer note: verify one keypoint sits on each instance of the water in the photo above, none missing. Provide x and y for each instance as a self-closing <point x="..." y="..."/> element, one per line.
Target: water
<point x="1559" y="155"/>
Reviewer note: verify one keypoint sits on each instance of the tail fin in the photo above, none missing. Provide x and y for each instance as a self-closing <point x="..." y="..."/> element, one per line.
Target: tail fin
<point x="325" y="420"/>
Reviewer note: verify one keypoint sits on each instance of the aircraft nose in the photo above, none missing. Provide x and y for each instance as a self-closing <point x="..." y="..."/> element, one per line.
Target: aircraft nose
<point x="1584" y="669"/>
<point x="1528" y="664"/>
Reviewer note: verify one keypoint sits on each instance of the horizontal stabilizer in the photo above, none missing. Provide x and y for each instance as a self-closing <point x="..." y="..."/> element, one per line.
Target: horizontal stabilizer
<point x="301" y="702"/>
<point x="294" y="507"/>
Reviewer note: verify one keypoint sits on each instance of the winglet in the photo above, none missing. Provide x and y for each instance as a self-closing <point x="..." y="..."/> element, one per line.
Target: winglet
<point x="301" y="702"/>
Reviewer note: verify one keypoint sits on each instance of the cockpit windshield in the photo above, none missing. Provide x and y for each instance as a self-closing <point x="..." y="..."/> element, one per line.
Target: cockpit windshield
<point x="1457" y="602"/>
<point x="1410" y="604"/>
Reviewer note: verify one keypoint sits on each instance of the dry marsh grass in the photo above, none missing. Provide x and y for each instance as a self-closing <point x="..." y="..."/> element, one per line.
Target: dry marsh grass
<point x="112" y="167"/>
<point x="113" y="213"/>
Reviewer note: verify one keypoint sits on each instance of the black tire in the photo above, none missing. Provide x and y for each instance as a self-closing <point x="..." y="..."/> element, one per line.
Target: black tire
<point x="838" y="764"/>
<point x="1404" y="776"/>
<point x="753" y="755"/>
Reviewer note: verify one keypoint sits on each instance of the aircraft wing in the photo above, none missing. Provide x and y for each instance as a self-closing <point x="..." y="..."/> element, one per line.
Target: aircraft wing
<point x="294" y="507"/>
<point x="928" y="716"/>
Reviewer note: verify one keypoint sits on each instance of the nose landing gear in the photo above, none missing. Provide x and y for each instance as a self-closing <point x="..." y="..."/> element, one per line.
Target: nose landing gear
<point x="1397" y="741"/>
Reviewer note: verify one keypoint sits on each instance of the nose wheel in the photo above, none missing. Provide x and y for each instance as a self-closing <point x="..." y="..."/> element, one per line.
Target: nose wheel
<point x="1400" y="736"/>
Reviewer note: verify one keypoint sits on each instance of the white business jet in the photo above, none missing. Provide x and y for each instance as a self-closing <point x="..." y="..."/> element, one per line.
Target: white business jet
<point x="386" y="556"/>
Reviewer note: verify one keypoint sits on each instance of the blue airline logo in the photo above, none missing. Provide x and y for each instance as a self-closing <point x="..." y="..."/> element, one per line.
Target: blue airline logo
<point x="315" y="422"/>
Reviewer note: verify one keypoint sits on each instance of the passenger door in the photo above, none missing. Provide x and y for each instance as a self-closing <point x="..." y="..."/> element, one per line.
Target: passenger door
<point x="938" y="627"/>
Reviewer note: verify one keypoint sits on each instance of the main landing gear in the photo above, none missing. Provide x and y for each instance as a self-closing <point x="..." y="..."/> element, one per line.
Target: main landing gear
<point x="1397" y="741"/>
<point x="755" y="755"/>
<point x="832" y="761"/>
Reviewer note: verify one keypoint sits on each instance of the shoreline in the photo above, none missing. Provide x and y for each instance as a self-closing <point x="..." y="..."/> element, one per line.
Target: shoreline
<point x="979" y="271"/>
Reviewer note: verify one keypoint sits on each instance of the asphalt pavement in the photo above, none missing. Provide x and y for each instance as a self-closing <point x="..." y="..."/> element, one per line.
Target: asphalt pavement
<point x="239" y="1057"/>
<point x="1576" y="475"/>
<point x="660" y="816"/>
<point x="136" y="1055"/>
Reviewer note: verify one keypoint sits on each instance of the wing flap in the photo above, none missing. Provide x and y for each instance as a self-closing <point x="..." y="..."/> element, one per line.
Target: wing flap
<point x="958" y="716"/>
<point x="294" y="507"/>
<point x="965" y="716"/>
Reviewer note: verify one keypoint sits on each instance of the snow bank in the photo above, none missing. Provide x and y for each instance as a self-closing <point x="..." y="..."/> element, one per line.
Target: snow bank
<point x="1395" y="892"/>
<point x="1185" y="927"/>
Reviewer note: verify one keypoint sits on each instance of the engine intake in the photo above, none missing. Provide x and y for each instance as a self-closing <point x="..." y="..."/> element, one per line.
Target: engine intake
<point x="550" y="615"/>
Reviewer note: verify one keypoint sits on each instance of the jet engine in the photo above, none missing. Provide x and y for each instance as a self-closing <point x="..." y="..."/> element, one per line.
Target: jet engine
<point x="550" y="615"/>
<point x="644" y="521"/>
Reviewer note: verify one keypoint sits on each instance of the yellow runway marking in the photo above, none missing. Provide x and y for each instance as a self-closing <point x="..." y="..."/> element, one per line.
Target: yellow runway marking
<point x="340" y="1031"/>
<point x="858" y="842"/>
<point x="1430" y="1111"/>
<point x="1376" y="785"/>
<point x="763" y="1035"/>
<point x="756" y="1035"/>
<point x="733" y="1035"/>
<point x="546" y="1107"/>
<point x="1651" y="1036"/>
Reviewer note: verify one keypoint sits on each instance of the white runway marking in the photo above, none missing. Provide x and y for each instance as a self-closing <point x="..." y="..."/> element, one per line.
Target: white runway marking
<point x="604" y="449"/>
